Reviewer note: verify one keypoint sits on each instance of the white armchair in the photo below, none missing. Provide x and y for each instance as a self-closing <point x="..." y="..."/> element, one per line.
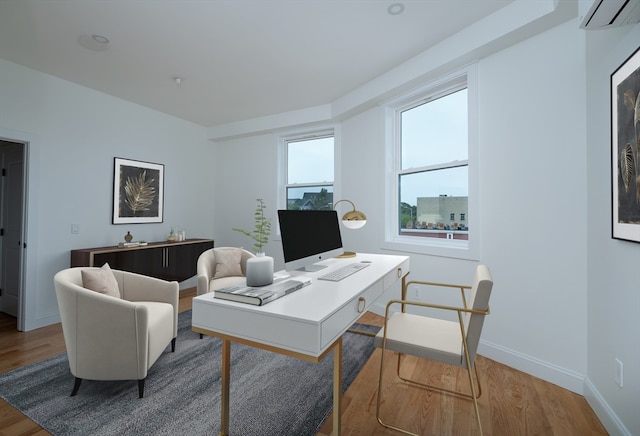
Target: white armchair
<point x="220" y="267"/>
<point x="110" y="338"/>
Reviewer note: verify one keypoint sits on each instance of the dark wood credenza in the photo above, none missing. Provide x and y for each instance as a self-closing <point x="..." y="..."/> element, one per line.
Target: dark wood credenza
<point x="164" y="260"/>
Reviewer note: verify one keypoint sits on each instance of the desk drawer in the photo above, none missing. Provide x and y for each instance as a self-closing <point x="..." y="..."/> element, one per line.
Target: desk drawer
<point x="393" y="276"/>
<point x="333" y="326"/>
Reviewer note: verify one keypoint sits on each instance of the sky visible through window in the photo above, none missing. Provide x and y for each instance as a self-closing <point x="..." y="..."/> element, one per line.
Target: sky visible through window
<point x="310" y="161"/>
<point x="435" y="133"/>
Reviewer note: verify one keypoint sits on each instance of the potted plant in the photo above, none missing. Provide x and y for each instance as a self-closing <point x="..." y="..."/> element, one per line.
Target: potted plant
<point x="259" y="268"/>
<point x="262" y="228"/>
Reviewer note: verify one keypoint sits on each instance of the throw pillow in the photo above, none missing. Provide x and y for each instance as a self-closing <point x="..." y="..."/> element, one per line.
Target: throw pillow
<point x="101" y="280"/>
<point x="227" y="262"/>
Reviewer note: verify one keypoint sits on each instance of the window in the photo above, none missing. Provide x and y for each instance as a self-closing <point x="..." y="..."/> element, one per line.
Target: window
<point x="431" y="155"/>
<point x="309" y="171"/>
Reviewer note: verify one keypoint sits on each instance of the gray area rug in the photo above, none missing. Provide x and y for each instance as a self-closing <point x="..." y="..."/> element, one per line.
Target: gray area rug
<point x="271" y="394"/>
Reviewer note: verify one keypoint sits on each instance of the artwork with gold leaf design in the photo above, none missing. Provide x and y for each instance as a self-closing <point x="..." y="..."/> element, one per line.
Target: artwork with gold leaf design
<point x="625" y="149"/>
<point x="137" y="192"/>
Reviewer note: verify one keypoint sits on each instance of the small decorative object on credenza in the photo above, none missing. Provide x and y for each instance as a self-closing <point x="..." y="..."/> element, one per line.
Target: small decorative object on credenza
<point x="259" y="268"/>
<point x="176" y="235"/>
<point x="172" y="235"/>
<point x="128" y="237"/>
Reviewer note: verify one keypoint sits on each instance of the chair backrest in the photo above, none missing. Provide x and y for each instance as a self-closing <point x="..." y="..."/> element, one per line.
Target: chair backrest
<point x="478" y="300"/>
<point x="207" y="261"/>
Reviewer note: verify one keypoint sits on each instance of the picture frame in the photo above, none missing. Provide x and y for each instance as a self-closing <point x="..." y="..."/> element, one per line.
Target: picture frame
<point x="625" y="150"/>
<point x="138" y="192"/>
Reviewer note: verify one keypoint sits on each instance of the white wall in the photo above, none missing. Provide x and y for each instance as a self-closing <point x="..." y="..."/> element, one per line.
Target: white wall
<point x="535" y="210"/>
<point x="74" y="134"/>
<point x="245" y="170"/>
<point x="613" y="265"/>
<point x="533" y="199"/>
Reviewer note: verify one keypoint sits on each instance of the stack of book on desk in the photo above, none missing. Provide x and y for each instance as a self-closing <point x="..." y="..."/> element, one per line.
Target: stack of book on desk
<point x="260" y="296"/>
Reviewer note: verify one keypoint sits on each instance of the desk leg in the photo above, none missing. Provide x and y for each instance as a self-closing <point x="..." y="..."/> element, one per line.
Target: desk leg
<point x="337" y="387"/>
<point x="226" y="382"/>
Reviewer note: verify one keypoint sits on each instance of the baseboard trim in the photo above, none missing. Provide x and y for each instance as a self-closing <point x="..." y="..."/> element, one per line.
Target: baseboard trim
<point x="43" y="322"/>
<point x="605" y="414"/>
<point x="557" y="375"/>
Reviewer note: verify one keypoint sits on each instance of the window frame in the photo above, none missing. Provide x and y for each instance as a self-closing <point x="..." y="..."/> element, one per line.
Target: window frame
<point x="301" y="135"/>
<point x="393" y="240"/>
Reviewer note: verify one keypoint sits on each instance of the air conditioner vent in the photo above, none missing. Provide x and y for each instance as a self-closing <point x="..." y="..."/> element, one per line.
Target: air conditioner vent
<point x="611" y="13"/>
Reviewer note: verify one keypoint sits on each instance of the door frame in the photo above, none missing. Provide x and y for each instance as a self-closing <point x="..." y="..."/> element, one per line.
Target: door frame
<point x="21" y="312"/>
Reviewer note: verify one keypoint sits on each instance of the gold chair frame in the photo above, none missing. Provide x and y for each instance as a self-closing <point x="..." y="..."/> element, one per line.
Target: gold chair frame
<point x="476" y="391"/>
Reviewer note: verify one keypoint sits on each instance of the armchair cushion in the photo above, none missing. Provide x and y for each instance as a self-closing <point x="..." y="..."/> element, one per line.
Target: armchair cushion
<point x="101" y="280"/>
<point x="227" y="262"/>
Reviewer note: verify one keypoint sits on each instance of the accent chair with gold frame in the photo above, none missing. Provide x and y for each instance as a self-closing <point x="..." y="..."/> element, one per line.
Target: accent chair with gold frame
<point x="454" y="342"/>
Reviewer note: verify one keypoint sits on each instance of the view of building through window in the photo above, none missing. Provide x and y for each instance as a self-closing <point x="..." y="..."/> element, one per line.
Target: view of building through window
<point x="310" y="173"/>
<point x="433" y="173"/>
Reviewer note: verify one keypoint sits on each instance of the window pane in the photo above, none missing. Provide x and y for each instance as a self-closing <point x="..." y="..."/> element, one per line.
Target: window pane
<point x="434" y="199"/>
<point x="310" y="161"/>
<point x="310" y="197"/>
<point x="435" y="132"/>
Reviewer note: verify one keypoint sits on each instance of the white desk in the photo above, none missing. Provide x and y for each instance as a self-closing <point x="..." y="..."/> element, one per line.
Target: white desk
<point x="307" y="324"/>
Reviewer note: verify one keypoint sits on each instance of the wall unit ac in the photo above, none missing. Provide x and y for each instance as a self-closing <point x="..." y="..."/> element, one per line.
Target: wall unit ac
<point x="609" y="13"/>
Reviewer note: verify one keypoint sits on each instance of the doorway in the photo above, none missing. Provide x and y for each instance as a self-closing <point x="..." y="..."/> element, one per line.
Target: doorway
<point x="12" y="158"/>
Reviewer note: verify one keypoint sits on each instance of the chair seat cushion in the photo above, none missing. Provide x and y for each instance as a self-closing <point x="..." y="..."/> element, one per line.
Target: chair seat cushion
<point x="425" y="337"/>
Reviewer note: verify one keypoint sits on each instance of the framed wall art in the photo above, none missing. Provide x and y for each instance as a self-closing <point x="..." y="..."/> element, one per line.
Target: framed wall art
<point x="625" y="150"/>
<point x="138" y="192"/>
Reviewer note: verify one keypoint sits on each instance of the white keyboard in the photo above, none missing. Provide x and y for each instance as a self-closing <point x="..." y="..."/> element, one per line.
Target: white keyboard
<point x="345" y="271"/>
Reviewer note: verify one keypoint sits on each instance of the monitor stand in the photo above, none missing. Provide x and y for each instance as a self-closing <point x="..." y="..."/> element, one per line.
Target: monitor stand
<point x="312" y="268"/>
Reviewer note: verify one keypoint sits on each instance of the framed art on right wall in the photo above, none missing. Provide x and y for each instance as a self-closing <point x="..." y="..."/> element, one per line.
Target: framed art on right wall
<point x="625" y="150"/>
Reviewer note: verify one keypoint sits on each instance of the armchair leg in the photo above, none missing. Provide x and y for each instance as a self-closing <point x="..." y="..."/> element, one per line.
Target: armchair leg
<point x="141" y="388"/>
<point x="201" y="336"/>
<point x="173" y="345"/>
<point x="76" y="386"/>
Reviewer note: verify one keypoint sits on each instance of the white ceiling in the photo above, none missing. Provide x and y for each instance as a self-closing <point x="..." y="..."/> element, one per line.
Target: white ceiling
<point x="238" y="59"/>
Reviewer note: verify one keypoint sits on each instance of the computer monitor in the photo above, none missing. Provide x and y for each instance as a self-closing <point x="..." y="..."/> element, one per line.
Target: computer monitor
<point x="309" y="236"/>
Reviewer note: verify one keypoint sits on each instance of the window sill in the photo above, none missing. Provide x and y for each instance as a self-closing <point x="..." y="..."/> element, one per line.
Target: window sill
<point x="453" y="248"/>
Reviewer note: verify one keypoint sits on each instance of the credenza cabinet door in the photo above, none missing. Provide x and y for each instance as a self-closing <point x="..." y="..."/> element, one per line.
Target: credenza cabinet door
<point x="179" y="262"/>
<point x="164" y="261"/>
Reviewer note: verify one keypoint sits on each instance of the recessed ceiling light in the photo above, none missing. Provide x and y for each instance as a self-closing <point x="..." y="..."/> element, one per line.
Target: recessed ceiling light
<point x="94" y="42"/>
<point x="100" y="39"/>
<point x="395" y="9"/>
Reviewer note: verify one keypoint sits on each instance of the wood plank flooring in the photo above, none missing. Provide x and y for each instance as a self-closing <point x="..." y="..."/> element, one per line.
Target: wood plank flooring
<point x="512" y="403"/>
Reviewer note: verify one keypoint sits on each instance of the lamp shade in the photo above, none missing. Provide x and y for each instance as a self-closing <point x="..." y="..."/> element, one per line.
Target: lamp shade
<point x="353" y="219"/>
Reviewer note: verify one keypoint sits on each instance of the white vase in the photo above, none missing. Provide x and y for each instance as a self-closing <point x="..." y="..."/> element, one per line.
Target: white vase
<point x="259" y="270"/>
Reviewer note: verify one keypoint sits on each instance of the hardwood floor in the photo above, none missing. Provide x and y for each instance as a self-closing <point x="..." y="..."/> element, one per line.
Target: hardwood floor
<point x="512" y="402"/>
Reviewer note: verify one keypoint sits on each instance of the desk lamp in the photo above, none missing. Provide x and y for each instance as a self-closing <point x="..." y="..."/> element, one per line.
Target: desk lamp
<point x="352" y="220"/>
